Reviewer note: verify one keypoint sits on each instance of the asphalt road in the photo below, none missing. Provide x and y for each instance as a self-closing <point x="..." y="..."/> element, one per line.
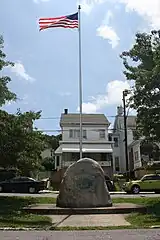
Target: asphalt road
<point x="83" y="235"/>
<point x="55" y="195"/>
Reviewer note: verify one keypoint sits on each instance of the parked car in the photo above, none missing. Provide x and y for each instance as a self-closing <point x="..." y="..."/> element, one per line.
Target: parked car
<point x="109" y="184"/>
<point x="148" y="183"/>
<point x="23" y="185"/>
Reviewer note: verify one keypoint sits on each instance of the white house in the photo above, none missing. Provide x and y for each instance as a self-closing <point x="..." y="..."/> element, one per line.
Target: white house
<point x="47" y="153"/>
<point x="118" y="137"/>
<point x="143" y="155"/>
<point x="95" y="140"/>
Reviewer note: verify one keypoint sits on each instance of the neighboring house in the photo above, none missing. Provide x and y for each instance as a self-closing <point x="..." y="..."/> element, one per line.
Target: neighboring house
<point x="144" y="156"/>
<point x="95" y="141"/>
<point x="117" y="136"/>
<point x="47" y="153"/>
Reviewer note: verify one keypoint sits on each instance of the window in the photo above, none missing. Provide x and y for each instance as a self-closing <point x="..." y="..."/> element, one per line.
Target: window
<point x="22" y="179"/>
<point x="75" y="133"/>
<point x="57" y="161"/>
<point x="151" y="178"/>
<point x="117" y="168"/>
<point x="156" y="177"/>
<point x="109" y="137"/>
<point x="102" y="134"/>
<point x="71" y="133"/>
<point x="103" y="157"/>
<point x="136" y="156"/>
<point x="84" y="134"/>
<point x="115" y="142"/>
<point x="75" y="157"/>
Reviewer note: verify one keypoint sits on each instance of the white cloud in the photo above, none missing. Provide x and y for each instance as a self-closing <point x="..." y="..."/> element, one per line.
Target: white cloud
<point x="113" y="96"/>
<point x="107" y="32"/>
<point x="88" y="5"/>
<point x="148" y="9"/>
<point x="38" y="1"/>
<point x="20" y="71"/>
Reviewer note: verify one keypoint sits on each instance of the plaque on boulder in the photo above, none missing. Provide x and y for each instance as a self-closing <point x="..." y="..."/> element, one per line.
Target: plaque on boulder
<point x="83" y="186"/>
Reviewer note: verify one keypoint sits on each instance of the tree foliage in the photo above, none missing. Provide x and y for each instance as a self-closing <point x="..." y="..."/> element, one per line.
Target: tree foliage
<point x="53" y="141"/>
<point x="20" y="145"/>
<point x="48" y="163"/>
<point x="5" y="93"/>
<point x="142" y="65"/>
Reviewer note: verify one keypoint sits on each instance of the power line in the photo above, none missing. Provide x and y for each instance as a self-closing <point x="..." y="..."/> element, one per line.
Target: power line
<point x="46" y="118"/>
<point x="88" y="130"/>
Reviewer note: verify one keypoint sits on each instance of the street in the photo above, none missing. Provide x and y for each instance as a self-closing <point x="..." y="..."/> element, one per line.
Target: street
<point x="83" y="235"/>
<point x="54" y="195"/>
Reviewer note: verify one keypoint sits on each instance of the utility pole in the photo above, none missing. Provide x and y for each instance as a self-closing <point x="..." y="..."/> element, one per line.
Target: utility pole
<point x="125" y="92"/>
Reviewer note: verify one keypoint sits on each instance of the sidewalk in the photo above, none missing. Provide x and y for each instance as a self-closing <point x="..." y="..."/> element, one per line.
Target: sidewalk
<point x="92" y="220"/>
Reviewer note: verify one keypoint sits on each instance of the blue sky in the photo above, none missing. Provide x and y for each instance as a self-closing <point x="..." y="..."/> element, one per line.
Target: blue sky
<point x="45" y="75"/>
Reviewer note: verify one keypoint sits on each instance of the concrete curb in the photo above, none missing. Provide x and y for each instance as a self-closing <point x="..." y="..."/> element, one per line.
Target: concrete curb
<point x="117" y="193"/>
<point x="57" y="192"/>
<point x="19" y="229"/>
<point x="51" y="209"/>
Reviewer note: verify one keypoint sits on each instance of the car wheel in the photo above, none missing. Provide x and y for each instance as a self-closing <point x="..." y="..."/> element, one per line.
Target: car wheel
<point x="31" y="190"/>
<point x="1" y="189"/>
<point x="135" y="189"/>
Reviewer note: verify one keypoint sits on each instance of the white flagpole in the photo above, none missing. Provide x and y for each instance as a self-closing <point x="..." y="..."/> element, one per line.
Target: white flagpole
<point x="80" y="84"/>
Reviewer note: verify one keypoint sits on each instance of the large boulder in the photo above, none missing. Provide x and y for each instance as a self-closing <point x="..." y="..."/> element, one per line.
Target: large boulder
<point x="83" y="186"/>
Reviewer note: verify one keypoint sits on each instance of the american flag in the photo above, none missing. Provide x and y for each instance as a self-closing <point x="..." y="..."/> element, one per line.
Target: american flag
<point x="69" y="21"/>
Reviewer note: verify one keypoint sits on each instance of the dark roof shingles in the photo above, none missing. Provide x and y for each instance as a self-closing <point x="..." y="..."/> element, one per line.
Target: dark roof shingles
<point x="73" y="118"/>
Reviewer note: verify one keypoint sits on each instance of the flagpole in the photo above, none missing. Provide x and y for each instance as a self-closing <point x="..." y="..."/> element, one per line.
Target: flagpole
<point x="80" y="84"/>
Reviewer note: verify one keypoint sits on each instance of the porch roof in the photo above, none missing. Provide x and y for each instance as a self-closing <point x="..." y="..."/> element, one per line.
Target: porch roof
<point x="58" y="150"/>
<point x="87" y="150"/>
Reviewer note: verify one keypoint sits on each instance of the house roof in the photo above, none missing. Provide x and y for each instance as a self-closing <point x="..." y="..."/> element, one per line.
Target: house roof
<point x="87" y="119"/>
<point x="131" y="122"/>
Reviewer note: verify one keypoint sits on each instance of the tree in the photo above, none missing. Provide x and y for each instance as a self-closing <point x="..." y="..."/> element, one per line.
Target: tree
<point x="5" y="93"/>
<point x="20" y="145"/>
<point x="53" y="141"/>
<point x="145" y="71"/>
<point x="48" y="163"/>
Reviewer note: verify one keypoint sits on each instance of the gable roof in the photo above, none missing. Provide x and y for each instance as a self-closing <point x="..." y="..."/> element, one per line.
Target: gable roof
<point x="131" y="122"/>
<point x="87" y="119"/>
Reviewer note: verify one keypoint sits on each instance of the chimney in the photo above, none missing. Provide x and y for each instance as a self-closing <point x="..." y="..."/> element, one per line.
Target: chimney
<point x="65" y="111"/>
<point x="119" y="110"/>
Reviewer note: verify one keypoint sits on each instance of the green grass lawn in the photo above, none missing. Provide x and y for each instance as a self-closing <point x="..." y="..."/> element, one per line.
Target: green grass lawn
<point x="11" y="214"/>
<point x="139" y="220"/>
